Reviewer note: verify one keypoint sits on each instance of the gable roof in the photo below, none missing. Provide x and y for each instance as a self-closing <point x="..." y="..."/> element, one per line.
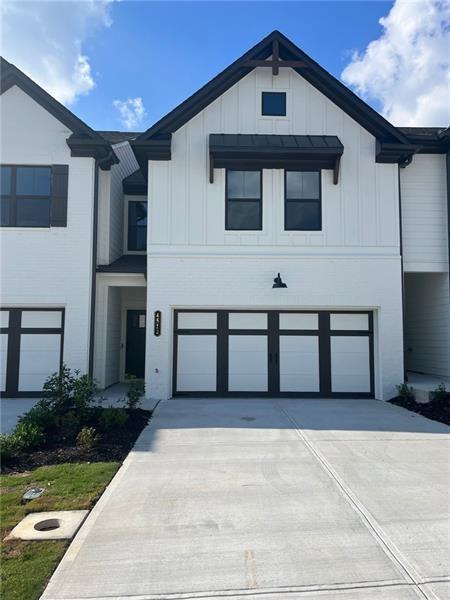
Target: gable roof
<point x="84" y="141"/>
<point x="312" y="72"/>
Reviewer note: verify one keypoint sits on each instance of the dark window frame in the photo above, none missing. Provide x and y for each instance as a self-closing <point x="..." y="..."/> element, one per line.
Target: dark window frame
<point x="128" y="249"/>
<point x="304" y="200"/>
<point x="13" y="196"/>
<point x="255" y="200"/>
<point x="274" y="93"/>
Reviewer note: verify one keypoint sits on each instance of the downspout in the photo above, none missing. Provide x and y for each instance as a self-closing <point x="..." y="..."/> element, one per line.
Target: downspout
<point x="448" y="214"/>
<point x="405" y="376"/>
<point x="94" y="271"/>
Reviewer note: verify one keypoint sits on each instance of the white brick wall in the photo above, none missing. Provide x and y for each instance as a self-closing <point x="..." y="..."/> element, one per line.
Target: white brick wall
<point x="246" y="282"/>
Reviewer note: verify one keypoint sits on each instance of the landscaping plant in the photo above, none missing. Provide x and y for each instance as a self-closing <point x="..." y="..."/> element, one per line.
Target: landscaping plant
<point x="113" y="418"/>
<point x="87" y="438"/>
<point x="136" y="389"/>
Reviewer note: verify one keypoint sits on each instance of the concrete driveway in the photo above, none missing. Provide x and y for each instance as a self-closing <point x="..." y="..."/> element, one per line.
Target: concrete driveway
<point x="266" y="500"/>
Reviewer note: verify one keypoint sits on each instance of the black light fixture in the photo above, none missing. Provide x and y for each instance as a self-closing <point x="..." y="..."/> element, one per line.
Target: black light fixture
<point x="278" y="282"/>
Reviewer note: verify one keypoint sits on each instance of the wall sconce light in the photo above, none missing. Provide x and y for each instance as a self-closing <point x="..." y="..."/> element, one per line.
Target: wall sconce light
<point x="278" y="282"/>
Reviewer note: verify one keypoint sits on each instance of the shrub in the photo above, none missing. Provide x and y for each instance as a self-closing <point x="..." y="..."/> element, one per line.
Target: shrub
<point x="40" y="415"/>
<point x="405" y="392"/>
<point x="87" y="438"/>
<point x="68" y="425"/>
<point x="136" y="389"/>
<point x="440" y="393"/>
<point x="113" y="418"/>
<point x="27" y="436"/>
<point x="7" y="446"/>
<point x="69" y="390"/>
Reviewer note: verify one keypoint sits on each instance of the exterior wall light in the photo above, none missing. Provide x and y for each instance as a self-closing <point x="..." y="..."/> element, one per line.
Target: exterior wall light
<point x="278" y="282"/>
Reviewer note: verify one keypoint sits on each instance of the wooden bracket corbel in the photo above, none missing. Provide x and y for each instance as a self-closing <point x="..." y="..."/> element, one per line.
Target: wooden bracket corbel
<point x="211" y="168"/>
<point x="337" y="165"/>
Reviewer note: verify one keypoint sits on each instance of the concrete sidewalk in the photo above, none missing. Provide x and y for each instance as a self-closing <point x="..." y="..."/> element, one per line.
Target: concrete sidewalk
<point x="261" y="499"/>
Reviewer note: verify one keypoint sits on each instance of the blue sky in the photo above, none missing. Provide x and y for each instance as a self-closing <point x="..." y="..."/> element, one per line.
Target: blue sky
<point x="124" y="64"/>
<point x="164" y="51"/>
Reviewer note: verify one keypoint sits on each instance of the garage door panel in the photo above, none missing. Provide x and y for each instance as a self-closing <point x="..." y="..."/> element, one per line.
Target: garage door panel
<point x="197" y="363"/>
<point x="299" y="321"/>
<point x="41" y="318"/>
<point x="39" y="357"/>
<point x="247" y="320"/>
<point x="350" y="364"/>
<point x="299" y="364"/>
<point x="197" y="320"/>
<point x="247" y="363"/>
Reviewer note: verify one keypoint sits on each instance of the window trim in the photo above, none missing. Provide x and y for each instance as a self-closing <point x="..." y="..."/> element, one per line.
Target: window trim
<point x="272" y="92"/>
<point x="127" y="199"/>
<point x="312" y="200"/>
<point x="259" y="200"/>
<point x="13" y="197"/>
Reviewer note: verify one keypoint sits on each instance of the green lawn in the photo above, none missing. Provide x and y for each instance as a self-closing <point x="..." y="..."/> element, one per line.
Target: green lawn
<point x="27" y="566"/>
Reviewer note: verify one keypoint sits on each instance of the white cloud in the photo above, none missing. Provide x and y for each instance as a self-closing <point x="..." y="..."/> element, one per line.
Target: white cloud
<point x="131" y="111"/>
<point x="407" y="68"/>
<point x="45" y="40"/>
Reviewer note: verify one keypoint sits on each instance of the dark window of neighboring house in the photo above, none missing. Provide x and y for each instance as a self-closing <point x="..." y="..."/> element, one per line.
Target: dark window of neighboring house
<point x="302" y="205"/>
<point x="137" y="226"/>
<point x="243" y="200"/>
<point x="25" y="196"/>
<point x="274" y="104"/>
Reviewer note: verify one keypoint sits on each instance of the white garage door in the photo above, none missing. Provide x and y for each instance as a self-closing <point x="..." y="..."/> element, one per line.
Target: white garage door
<point x="273" y="353"/>
<point x="30" y="350"/>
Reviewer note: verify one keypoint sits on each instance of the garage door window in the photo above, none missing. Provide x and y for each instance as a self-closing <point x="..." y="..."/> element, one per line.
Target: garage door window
<point x="30" y="350"/>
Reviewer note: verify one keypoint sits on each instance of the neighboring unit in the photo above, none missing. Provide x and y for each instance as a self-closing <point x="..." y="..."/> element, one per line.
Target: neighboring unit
<point x="155" y="254"/>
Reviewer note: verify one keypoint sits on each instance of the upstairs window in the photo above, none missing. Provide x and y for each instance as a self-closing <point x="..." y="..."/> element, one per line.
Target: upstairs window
<point x="243" y="200"/>
<point x="33" y="196"/>
<point x="302" y="204"/>
<point x="137" y="226"/>
<point x="274" y="104"/>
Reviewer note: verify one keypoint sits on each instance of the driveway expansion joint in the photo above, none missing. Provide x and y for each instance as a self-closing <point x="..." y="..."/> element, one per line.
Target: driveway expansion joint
<point x="366" y="517"/>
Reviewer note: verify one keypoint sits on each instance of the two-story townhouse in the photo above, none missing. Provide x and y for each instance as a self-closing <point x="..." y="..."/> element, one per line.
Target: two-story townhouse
<point x="297" y="242"/>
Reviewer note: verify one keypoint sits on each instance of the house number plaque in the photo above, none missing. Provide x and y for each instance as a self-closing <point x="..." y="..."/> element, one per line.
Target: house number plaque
<point x="157" y="323"/>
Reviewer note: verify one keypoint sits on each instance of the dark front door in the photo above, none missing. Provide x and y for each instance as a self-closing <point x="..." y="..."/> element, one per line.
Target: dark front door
<point x="135" y="346"/>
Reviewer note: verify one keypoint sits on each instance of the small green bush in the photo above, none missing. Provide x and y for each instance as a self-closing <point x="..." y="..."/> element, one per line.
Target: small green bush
<point x="40" y="415"/>
<point x="68" y="424"/>
<point x="7" y="446"/>
<point x="87" y="438"/>
<point x="405" y="392"/>
<point x="113" y="418"/>
<point x="440" y="393"/>
<point x="136" y="389"/>
<point x="27" y="436"/>
<point x="69" y="390"/>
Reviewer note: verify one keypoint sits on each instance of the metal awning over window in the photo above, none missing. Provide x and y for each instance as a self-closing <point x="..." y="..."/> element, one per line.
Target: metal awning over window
<point x="240" y="151"/>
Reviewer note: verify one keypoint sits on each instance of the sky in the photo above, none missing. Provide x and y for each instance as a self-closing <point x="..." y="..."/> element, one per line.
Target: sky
<point x="122" y="65"/>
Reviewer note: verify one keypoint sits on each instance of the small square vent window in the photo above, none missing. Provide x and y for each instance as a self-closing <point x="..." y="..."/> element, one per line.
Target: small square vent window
<point x="274" y="104"/>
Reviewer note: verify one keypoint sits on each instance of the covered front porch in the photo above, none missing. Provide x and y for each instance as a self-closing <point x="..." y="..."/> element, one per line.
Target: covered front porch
<point x="120" y="328"/>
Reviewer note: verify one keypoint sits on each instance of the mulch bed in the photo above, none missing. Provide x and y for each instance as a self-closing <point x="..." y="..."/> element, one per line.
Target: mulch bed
<point x="113" y="445"/>
<point x="437" y="410"/>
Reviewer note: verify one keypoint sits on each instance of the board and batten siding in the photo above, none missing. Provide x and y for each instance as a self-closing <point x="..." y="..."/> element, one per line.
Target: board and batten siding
<point x="111" y="205"/>
<point x="424" y="214"/>
<point x="186" y="210"/>
<point x="427" y="323"/>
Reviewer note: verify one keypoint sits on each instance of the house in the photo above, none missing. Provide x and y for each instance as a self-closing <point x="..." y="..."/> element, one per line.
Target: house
<point x="273" y="235"/>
